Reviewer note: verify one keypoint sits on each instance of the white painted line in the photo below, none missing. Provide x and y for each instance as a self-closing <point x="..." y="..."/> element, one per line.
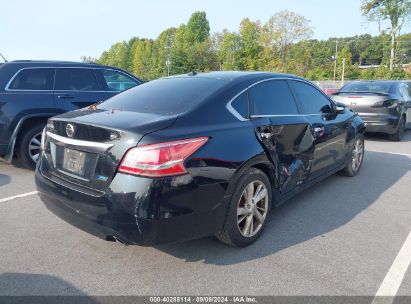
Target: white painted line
<point x="395" y="275"/>
<point x="394" y="153"/>
<point x="2" y="200"/>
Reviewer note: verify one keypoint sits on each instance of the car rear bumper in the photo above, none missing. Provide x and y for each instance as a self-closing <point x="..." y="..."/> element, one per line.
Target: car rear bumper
<point x="380" y="123"/>
<point x="137" y="210"/>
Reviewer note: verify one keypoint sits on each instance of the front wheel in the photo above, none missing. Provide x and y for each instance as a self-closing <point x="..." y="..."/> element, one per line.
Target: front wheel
<point x="356" y="157"/>
<point x="248" y="210"/>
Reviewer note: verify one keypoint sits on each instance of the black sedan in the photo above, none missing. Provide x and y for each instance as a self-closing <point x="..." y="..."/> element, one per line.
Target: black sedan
<point x="382" y="104"/>
<point x="194" y="155"/>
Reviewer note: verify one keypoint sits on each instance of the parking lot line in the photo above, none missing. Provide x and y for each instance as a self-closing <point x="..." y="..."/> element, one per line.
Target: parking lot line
<point x="394" y="153"/>
<point x="2" y="200"/>
<point x="395" y="275"/>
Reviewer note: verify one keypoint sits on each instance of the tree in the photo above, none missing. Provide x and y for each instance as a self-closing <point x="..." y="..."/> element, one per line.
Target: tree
<point x="89" y="59"/>
<point x="228" y="48"/>
<point x="250" y="33"/>
<point x="198" y="28"/>
<point x="143" y="59"/>
<point x="396" y="11"/>
<point x="285" y="28"/>
<point x="118" y="55"/>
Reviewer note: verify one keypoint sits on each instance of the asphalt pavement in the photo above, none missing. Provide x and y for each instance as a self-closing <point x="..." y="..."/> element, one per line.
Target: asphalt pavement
<point x="341" y="237"/>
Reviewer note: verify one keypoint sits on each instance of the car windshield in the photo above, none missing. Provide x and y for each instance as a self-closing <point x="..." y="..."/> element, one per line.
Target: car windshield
<point x="166" y="96"/>
<point x="373" y="87"/>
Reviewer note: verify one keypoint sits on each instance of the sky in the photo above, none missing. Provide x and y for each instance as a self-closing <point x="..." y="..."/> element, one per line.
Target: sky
<point x="69" y="29"/>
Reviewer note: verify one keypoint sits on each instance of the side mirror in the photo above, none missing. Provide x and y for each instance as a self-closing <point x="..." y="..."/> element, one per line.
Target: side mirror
<point x="326" y="109"/>
<point x="339" y="109"/>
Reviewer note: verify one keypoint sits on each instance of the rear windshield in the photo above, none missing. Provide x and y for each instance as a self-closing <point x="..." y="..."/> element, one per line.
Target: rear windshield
<point x="373" y="87"/>
<point x="167" y="96"/>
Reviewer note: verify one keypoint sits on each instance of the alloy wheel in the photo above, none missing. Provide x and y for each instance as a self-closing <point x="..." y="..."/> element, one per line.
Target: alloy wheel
<point x="357" y="155"/>
<point x="34" y="147"/>
<point x="252" y="209"/>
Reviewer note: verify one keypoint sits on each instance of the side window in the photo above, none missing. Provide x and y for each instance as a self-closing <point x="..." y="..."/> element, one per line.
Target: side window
<point x="272" y="98"/>
<point x="114" y="81"/>
<point x="33" y="79"/>
<point x="240" y="104"/>
<point x="404" y="92"/>
<point x="76" y="79"/>
<point x="311" y="100"/>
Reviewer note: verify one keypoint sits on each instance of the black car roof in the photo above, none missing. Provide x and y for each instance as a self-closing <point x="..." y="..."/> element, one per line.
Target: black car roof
<point x="232" y="75"/>
<point x="49" y="63"/>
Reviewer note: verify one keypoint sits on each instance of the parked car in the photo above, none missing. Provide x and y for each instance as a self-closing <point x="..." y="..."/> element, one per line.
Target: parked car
<point x="33" y="91"/>
<point x="330" y="91"/>
<point x="382" y="104"/>
<point x="194" y="155"/>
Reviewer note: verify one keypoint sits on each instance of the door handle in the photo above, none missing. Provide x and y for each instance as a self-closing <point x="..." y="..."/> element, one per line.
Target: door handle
<point x="266" y="135"/>
<point x="65" y="96"/>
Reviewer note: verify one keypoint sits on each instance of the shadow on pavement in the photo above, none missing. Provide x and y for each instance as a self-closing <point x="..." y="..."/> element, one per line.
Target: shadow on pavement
<point x="324" y="207"/>
<point x="381" y="137"/>
<point x="39" y="288"/>
<point x="4" y="179"/>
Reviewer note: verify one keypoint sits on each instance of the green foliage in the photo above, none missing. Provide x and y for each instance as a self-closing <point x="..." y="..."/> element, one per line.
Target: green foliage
<point x="250" y="33"/>
<point x="396" y="11"/>
<point x="270" y="47"/>
<point x="198" y="28"/>
<point x="228" y="47"/>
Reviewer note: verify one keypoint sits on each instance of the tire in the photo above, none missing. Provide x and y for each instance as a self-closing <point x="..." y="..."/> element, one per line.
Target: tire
<point x="400" y="130"/>
<point x="356" y="157"/>
<point x="243" y="225"/>
<point x="28" y="146"/>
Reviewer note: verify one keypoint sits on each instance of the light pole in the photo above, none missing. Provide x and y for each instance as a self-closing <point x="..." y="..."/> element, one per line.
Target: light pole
<point x="335" y="60"/>
<point x="343" y="72"/>
<point x="168" y="63"/>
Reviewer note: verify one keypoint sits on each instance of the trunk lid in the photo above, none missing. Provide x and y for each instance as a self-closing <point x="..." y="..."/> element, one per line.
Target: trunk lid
<point x="85" y="147"/>
<point x="366" y="102"/>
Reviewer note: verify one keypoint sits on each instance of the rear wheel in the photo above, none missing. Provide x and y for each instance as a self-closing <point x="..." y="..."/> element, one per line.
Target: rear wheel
<point x="400" y="130"/>
<point x="356" y="157"/>
<point x="28" y="147"/>
<point x="248" y="211"/>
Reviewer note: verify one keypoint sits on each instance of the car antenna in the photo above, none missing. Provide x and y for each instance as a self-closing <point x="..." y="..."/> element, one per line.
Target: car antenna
<point x="5" y="60"/>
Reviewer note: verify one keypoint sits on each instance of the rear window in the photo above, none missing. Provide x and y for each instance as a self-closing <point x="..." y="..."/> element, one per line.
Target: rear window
<point x="168" y="96"/>
<point x="33" y="79"/>
<point x="76" y="79"/>
<point x="372" y="87"/>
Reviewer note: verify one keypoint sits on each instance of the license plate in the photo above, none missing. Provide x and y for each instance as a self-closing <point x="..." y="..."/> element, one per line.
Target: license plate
<point x="73" y="161"/>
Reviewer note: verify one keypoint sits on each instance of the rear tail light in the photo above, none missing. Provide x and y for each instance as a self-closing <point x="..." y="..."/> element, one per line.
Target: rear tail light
<point x="386" y="103"/>
<point x="389" y="103"/>
<point x="162" y="159"/>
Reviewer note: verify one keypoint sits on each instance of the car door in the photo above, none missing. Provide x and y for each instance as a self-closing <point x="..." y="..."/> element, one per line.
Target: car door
<point x="285" y="134"/>
<point x="330" y="129"/>
<point x="76" y="88"/>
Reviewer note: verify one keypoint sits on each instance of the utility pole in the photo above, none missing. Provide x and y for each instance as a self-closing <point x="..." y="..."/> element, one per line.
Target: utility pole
<point x="168" y="63"/>
<point x="343" y="72"/>
<point x="335" y="60"/>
